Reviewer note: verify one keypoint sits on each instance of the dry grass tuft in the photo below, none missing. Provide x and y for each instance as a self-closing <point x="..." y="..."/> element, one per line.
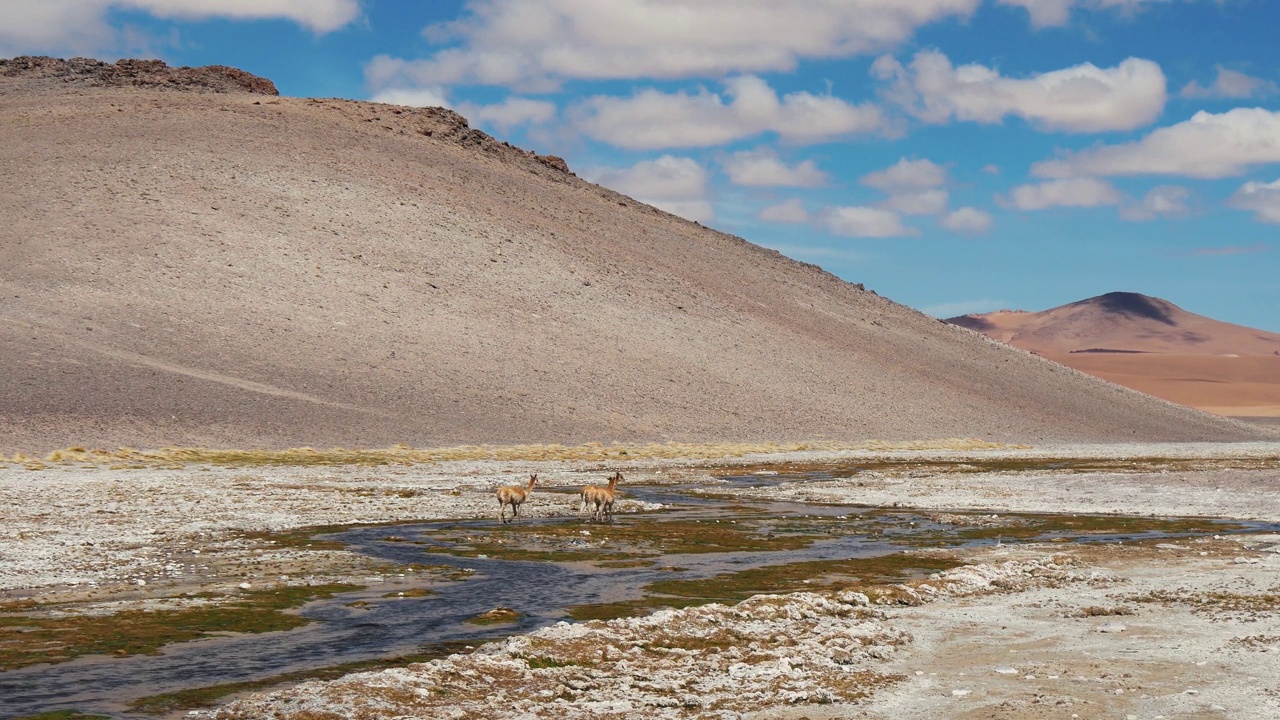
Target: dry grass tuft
<point x="129" y="458"/>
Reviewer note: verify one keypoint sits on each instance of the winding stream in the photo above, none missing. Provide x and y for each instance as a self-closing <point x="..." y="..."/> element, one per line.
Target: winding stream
<point x="545" y="570"/>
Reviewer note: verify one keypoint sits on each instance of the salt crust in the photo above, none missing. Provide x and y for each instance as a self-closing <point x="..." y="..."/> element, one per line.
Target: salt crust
<point x="713" y="661"/>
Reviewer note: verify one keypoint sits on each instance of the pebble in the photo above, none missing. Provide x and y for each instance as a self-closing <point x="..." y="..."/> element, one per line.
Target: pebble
<point x="244" y="586"/>
<point x="1006" y="670"/>
<point x="139" y="582"/>
<point x="960" y="693"/>
<point x="1114" y="627"/>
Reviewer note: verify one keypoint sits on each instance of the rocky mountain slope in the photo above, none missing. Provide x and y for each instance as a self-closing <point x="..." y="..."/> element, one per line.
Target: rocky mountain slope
<point x="234" y="268"/>
<point x="1153" y="346"/>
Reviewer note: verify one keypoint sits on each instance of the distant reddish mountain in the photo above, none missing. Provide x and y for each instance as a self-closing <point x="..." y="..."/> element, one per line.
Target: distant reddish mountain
<point x="1151" y="345"/>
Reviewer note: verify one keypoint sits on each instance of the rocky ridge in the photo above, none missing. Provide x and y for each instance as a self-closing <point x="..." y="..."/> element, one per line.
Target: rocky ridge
<point x="150" y="74"/>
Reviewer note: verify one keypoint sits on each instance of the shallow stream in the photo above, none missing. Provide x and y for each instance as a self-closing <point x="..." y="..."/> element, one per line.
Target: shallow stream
<point x="701" y="548"/>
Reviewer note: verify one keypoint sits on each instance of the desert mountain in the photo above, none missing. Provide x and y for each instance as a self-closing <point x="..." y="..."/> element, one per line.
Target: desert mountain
<point x="190" y="261"/>
<point x="1151" y="345"/>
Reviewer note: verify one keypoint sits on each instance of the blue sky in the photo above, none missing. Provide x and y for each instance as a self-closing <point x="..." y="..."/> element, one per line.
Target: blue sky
<point x="954" y="155"/>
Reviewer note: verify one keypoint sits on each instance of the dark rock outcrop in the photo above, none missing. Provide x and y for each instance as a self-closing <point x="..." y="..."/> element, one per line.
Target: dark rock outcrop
<point x="138" y="73"/>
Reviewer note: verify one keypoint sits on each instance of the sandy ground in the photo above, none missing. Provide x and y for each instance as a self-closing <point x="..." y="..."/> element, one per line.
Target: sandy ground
<point x="1228" y="384"/>
<point x="1178" y="629"/>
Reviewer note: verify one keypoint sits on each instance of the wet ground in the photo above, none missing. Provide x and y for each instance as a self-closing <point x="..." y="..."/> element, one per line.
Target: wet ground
<point x="704" y="548"/>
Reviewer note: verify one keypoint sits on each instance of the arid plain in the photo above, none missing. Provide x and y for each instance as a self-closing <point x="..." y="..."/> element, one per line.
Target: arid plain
<point x="187" y="264"/>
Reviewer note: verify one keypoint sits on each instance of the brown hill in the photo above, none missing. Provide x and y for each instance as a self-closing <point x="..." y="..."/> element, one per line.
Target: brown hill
<point x="236" y="269"/>
<point x="1154" y="346"/>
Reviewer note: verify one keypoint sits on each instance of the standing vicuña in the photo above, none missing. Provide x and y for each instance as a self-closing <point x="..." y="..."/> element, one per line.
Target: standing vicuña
<point x="601" y="497"/>
<point x="513" y="495"/>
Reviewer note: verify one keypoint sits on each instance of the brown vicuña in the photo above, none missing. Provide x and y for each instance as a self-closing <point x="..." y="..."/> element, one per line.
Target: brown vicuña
<point x="601" y="497"/>
<point x="513" y="495"/>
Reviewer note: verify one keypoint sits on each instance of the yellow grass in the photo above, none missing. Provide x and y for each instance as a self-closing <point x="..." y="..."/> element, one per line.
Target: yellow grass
<point x="405" y="455"/>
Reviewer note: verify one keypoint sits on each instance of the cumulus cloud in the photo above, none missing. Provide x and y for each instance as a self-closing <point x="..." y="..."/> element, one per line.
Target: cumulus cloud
<point x="1055" y="13"/>
<point x="907" y="174"/>
<point x="1207" y="146"/>
<point x="791" y="211"/>
<point x="1073" y="192"/>
<point x="918" y="202"/>
<point x="651" y="119"/>
<point x="1164" y="201"/>
<point x="414" y="97"/>
<point x="1263" y="199"/>
<point x="539" y="43"/>
<point x="504" y="115"/>
<point x="763" y="168"/>
<point x="1230" y="84"/>
<point x="861" y="221"/>
<point x="675" y="184"/>
<point x="968" y="220"/>
<point x="964" y="307"/>
<point x="510" y="112"/>
<point x="913" y="187"/>
<point x="1082" y="98"/>
<point x="70" y="26"/>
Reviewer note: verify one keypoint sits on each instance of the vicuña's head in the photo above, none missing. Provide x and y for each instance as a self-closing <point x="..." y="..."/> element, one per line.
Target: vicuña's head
<point x="617" y="476"/>
<point x="533" y="479"/>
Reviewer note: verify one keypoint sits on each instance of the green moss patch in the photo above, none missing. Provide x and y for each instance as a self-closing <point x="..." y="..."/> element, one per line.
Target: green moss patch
<point x="64" y="715"/>
<point x="170" y="703"/>
<point x="29" y="639"/>
<point x="496" y="616"/>
<point x="811" y="575"/>
<point x="634" y="539"/>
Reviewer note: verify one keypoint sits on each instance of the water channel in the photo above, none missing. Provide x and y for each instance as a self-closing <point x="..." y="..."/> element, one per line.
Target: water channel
<point x="701" y="548"/>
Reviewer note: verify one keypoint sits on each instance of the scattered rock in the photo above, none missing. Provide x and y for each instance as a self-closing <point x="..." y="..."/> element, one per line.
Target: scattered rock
<point x="154" y="74"/>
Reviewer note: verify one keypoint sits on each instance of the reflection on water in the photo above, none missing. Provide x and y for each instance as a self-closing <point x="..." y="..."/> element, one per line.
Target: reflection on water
<point x="541" y="569"/>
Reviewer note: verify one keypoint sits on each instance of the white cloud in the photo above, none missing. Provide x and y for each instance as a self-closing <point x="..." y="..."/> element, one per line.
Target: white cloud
<point x="907" y="174"/>
<point x="1230" y="84"/>
<point x="1055" y="13"/>
<point x="652" y="120"/>
<point x="913" y="187"/>
<point x="69" y="26"/>
<point x="1206" y="146"/>
<point x="317" y="15"/>
<point x="866" y="222"/>
<point x="677" y="185"/>
<point x="1163" y="201"/>
<point x="414" y="97"/>
<point x="510" y="112"/>
<point x="539" y="43"/>
<point x="1045" y="13"/>
<point x="964" y="307"/>
<point x="763" y="168"/>
<point x="918" y="202"/>
<point x="504" y="115"/>
<point x="969" y="220"/>
<point x="1261" y="198"/>
<point x="1082" y="98"/>
<point x="991" y="169"/>
<point x="1073" y="192"/>
<point x="791" y="211"/>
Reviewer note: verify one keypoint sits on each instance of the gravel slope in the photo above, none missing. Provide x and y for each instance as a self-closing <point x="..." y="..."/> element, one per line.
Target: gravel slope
<point x="243" y="270"/>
